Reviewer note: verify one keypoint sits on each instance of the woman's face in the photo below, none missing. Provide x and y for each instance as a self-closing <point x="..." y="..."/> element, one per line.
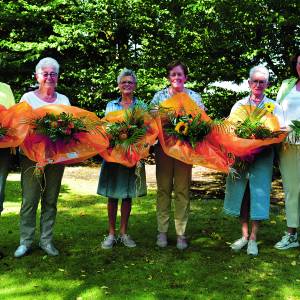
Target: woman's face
<point x="258" y="83"/>
<point x="47" y="77"/>
<point x="177" y="78"/>
<point x="127" y="85"/>
<point x="298" y="66"/>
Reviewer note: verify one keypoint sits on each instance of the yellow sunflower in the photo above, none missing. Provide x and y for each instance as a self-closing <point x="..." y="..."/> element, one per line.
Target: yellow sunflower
<point x="269" y="106"/>
<point x="182" y="128"/>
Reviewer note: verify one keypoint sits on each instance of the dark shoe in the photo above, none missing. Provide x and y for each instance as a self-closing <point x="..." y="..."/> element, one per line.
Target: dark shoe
<point x="49" y="249"/>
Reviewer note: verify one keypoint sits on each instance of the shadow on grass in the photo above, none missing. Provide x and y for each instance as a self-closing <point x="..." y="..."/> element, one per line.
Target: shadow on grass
<point x="206" y="270"/>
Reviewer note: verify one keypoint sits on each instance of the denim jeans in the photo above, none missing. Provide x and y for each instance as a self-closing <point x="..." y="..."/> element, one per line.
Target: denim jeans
<point x="259" y="177"/>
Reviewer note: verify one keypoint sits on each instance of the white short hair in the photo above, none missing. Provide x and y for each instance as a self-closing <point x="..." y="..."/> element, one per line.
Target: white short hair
<point x="259" y="69"/>
<point x="126" y="72"/>
<point x="47" y="62"/>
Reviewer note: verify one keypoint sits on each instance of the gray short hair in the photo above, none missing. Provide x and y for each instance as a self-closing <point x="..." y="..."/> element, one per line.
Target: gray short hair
<point x="126" y="72"/>
<point x="47" y="62"/>
<point x="259" y="69"/>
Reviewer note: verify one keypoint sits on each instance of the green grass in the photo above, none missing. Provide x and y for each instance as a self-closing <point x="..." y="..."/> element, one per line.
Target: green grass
<point x="206" y="270"/>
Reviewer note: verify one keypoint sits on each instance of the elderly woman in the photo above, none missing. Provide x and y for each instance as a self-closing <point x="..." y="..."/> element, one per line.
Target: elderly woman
<point x="46" y="187"/>
<point x="248" y="196"/>
<point x="6" y="99"/>
<point x="172" y="173"/>
<point x="289" y="156"/>
<point x="117" y="181"/>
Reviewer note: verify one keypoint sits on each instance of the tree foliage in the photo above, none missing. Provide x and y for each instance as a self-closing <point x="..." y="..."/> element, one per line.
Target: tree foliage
<point x="94" y="39"/>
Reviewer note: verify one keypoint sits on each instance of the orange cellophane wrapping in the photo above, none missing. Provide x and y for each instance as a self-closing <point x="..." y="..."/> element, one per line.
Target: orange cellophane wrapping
<point x="13" y="119"/>
<point x="204" y="154"/>
<point x="41" y="149"/>
<point x="137" y="151"/>
<point x="244" y="147"/>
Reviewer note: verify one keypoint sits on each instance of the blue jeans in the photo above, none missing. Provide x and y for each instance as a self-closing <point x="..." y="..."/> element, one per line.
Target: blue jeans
<point x="259" y="177"/>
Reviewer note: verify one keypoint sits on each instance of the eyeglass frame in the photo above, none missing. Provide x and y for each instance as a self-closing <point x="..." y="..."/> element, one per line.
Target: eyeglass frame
<point x="258" y="82"/>
<point x="52" y="75"/>
<point x="128" y="82"/>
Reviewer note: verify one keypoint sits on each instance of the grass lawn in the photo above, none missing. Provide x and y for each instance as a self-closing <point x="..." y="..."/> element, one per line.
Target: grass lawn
<point x="206" y="270"/>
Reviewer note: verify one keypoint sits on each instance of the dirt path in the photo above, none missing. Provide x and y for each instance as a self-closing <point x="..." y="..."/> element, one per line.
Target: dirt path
<point x="205" y="182"/>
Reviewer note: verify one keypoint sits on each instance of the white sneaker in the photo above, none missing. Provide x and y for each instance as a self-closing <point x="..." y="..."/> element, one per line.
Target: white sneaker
<point x="22" y="250"/>
<point x="287" y="241"/>
<point x="181" y="242"/>
<point x="108" y="242"/>
<point x="162" y="240"/>
<point x="252" y="248"/>
<point x="127" y="241"/>
<point x="239" y="244"/>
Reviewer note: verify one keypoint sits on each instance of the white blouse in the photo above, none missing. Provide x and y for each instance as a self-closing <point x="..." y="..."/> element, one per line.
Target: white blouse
<point x="35" y="102"/>
<point x="291" y="106"/>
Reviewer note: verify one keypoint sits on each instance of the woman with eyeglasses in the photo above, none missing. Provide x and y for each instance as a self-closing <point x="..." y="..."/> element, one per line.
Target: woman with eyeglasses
<point x="170" y="172"/>
<point x="6" y="99"/>
<point x="247" y="194"/>
<point x="117" y="181"/>
<point x="46" y="187"/>
<point x="289" y="156"/>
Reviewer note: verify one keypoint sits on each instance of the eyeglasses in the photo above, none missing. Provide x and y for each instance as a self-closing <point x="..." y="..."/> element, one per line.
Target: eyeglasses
<point x="128" y="82"/>
<point x="52" y="75"/>
<point x="176" y="73"/>
<point x="260" y="82"/>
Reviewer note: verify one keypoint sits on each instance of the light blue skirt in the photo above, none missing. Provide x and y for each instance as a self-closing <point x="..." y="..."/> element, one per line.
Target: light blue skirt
<point x="259" y="176"/>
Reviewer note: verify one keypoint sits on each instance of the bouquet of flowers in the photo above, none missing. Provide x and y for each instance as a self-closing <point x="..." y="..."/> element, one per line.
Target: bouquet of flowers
<point x="3" y="132"/>
<point x="294" y="135"/>
<point x="62" y="127"/>
<point x="186" y="127"/>
<point x="63" y="134"/>
<point x="130" y="133"/>
<point x="12" y="129"/>
<point x="248" y="129"/>
<point x="184" y="130"/>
